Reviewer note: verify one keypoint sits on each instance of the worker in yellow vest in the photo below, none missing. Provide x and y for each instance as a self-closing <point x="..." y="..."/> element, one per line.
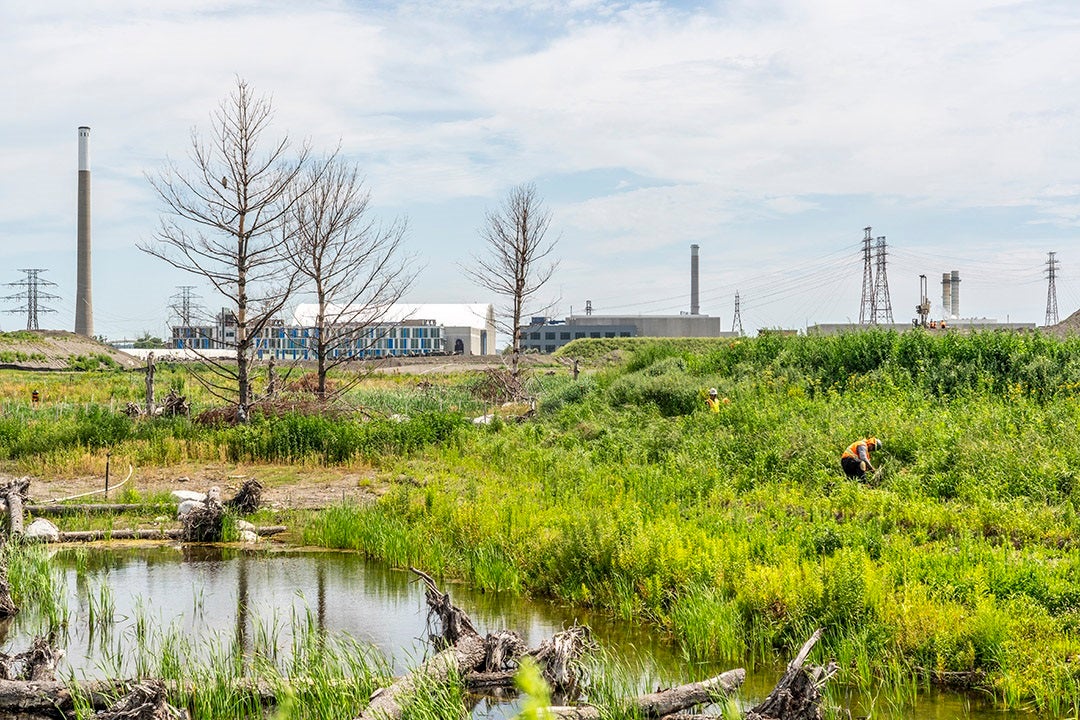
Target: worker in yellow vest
<point x="856" y="459"/>
<point x="713" y="400"/>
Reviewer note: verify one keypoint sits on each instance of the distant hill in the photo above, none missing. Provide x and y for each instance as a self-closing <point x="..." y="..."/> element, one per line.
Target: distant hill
<point x="59" y="350"/>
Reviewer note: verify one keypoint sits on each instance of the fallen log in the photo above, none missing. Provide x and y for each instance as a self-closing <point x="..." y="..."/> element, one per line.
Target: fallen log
<point x="91" y="508"/>
<point x="149" y="534"/>
<point x="666" y="702"/>
<point x="14" y="494"/>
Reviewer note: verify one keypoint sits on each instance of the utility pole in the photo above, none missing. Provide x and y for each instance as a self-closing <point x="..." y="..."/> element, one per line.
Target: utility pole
<point x="866" y="308"/>
<point x="1051" y="289"/>
<point x="32" y="296"/>
<point x="882" y="305"/>
<point x="736" y="322"/>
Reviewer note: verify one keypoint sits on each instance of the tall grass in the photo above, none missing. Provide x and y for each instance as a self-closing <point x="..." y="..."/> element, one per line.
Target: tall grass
<point x="737" y="532"/>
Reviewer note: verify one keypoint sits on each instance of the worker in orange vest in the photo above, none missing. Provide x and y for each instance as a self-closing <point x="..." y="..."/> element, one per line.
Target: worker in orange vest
<point x="856" y="459"/>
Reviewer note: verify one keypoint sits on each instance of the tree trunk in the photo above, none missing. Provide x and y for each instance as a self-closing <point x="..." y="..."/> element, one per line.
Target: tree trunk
<point x="148" y="534"/>
<point x="150" y="384"/>
<point x="388" y="703"/>
<point x="14" y="493"/>
<point x="665" y="702"/>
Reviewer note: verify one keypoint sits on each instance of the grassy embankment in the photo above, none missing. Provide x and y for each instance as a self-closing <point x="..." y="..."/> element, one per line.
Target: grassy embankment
<point x="736" y="532"/>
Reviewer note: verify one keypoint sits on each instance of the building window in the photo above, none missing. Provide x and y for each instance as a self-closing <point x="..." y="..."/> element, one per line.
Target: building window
<point x="594" y="335"/>
<point x="549" y="348"/>
<point x="624" y="334"/>
<point x="579" y="335"/>
<point x="534" y="336"/>
<point x="564" y="336"/>
<point x="549" y="336"/>
<point x="609" y="334"/>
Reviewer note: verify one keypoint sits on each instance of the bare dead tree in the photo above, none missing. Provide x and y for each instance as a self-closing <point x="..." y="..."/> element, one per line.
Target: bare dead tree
<point x="222" y="221"/>
<point x="348" y="260"/>
<point x="514" y="262"/>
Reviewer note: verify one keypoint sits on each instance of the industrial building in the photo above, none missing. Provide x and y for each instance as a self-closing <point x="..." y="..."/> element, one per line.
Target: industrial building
<point x="546" y="335"/>
<point x="404" y="329"/>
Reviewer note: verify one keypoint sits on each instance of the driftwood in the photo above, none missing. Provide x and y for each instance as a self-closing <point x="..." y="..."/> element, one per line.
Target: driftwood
<point x="93" y="508"/>
<point x="204" y="523"/>
<point x="148" y="534"/>
<point x="37" y="664"/>
<point x="798" y="694"/>
<point x="8" y="608"/>
<point x="482" y="662"/>
<point x="247" y="499"/>
<point x="15" y="494"/>
<point x="665" y="702"/>
<point x="145" y="701"/>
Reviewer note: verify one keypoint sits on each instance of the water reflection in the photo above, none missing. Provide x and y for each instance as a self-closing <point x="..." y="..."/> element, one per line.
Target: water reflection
<point x="253" y="597"/>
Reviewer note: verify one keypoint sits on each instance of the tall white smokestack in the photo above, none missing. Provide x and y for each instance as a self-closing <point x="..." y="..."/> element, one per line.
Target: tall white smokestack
<point x="694" y="280"/>
<point x="84" y="308"/>
<point x="955" y="283"/>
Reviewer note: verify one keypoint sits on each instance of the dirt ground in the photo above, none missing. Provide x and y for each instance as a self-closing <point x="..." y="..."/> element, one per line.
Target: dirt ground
<point x="284" y="487"/>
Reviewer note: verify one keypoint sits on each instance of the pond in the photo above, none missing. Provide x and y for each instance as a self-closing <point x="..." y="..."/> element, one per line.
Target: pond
<point x="245" y="597"/>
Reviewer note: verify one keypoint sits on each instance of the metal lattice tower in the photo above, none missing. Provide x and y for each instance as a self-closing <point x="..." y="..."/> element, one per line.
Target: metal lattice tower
<point x="736" y="322"/>
<point x="1051" y="289"/>
<point x="182" y="304"/>
<point x="866" y="308"/>
<point x="32" y="296"/>
<point x="882" y="305"/>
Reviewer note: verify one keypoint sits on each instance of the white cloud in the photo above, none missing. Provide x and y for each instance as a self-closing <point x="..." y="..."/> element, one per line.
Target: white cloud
<point x="744" y="115"/>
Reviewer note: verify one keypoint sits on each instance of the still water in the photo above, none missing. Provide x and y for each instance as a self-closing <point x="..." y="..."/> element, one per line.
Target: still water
<point x="232" y="594"/>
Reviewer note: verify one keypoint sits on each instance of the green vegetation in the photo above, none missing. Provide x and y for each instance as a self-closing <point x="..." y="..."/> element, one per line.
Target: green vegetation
<point x="18" y="356"/>
<point x="734" y="532"/>
<point x="94" y="361"/>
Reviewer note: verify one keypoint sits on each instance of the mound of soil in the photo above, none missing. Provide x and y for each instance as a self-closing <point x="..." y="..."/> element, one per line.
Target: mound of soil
<point x="59" y="350"/>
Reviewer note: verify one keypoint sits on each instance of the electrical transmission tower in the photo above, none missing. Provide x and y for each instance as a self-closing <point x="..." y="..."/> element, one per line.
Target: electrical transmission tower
<point x="881" y="305"/>
<point x="736" y="322"/>
<point x="182" y="304"/>
<point x="1051" y="289"/>
<point x="32" y="295"/>
<point x="866" y="308"/>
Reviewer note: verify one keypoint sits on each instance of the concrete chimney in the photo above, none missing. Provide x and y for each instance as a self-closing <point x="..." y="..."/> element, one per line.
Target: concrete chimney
<point x="694" y="280"/>
<point x="955" y="282"/>
<point x="84" y="308"/>
<point x="946" y="294"/>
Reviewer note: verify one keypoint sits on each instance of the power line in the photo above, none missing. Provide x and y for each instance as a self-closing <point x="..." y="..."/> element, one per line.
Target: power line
<point x="32" y="296"/>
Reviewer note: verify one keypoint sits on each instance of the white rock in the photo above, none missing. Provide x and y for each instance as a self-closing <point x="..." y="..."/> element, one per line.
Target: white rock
<point x="242" y="525"/>
<point x="483" y="420"/>
<point x="43" y="529"/>
<point x="188" y="495"/>
<point x="248" y="536"/>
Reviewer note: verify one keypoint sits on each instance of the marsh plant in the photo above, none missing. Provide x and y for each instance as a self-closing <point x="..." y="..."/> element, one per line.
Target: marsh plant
<point x="737" y="533"/>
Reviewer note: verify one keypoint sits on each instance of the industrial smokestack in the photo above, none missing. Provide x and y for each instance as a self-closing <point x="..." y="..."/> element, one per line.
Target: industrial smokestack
<point x="946" y="294"/>
<point x="955" y="293"/>
<point x="84" y="309"/>
<point x="694" y="280"/>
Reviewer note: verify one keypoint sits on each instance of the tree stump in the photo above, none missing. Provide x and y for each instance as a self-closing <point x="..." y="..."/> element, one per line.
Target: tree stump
<point x="798" y="694"/>
<point x="247" y="499"/>
<point x="145" y="701"/>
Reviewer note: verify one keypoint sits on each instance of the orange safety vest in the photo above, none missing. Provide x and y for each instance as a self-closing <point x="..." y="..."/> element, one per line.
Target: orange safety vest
<point x="853" y="450"/>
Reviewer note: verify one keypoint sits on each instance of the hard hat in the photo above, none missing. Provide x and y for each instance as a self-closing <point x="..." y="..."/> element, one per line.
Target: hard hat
<point x="712" y="391"/>
<point x="876" y="441"/>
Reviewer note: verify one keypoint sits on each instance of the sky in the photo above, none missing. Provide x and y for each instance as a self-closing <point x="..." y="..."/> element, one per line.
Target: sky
<point x="768" y="132"/>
